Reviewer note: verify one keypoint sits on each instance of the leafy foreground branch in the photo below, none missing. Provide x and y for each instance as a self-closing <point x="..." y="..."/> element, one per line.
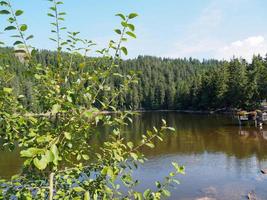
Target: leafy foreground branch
<point x="59" y="163"/>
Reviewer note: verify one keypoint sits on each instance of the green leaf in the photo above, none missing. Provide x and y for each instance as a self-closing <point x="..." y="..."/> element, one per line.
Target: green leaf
<point x="3" y="3"/>
<point x="29" y="37"/>
<point x="62" y="13"/>
<point x="133" y="15"/>
<point x="130" y="145"/>
<point x="158" y="184"/>
<point x="9" y="28"/>
<point x="166" y="193"/>
<point x="176" y="181"/>
<point x="86" y="196"/>
<point x="31" y="152"/>
<point x="78" y="189"/>
<point x="121" y="16"/>
<point x="124" y="24"/>
<point x="40" y="164"/>
<point x="131" y="34"/>
<point x="49" y="156"/>
<point x="54" y="150"/>
<point x="18" y="12"/>
<point x="15" y="36"/>
<point x="79" y="157"/>
<point x="85" y="157"/>
<point x="124" y="50"/>
<point x="118" y="31"/>
<point x="53" y="8"/>
<point x="67" y="135"/>
<point x="11" y="20"/>
<point x="134" y="156"/>
<point x="54" y="40"/>
<point x="171" y="128"/>
<point x="7" y="90"/>
<point x="131" y="27"/>
<point x="55" y="109"/>
<point x="4" y="12"/>
<point x="17" y="43"/>
<point x="150" y="145"/>
<point x="23" y="27"/>
<point x="147" y="194"/>
<point x="138" y="196"/>
<point x="15" y="177"/>
<point x="50" y="15"/>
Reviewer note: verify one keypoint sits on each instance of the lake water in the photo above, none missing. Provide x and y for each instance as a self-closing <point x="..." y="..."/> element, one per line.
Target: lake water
<point x="222" y="160"/>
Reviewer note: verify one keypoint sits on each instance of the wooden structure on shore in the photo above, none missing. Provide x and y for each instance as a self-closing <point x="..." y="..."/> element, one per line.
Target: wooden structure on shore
<point x="259" y="117"/>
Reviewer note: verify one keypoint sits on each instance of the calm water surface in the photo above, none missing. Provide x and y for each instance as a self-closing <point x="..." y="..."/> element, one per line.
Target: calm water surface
<point x="222" y="160"/>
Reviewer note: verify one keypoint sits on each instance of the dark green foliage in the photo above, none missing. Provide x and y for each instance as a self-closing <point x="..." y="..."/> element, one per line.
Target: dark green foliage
<point x="167" y="83"/>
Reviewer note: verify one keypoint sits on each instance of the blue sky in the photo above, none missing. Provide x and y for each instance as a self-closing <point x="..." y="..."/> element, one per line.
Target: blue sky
<point x="168" y="28"/>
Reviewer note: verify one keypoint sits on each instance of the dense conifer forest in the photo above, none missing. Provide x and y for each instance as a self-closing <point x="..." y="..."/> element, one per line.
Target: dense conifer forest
<point x="167" y="83"/>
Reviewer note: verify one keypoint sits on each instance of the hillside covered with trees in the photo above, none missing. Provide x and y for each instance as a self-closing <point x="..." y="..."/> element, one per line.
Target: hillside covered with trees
<point x="167" y="83"/>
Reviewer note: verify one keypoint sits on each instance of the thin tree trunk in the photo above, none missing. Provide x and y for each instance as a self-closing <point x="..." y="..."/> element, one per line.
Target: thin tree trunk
<point x="51" y="186"/>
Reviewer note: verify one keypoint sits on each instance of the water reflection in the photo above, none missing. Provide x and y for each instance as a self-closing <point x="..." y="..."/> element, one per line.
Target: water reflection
<point x="222" y="160"/>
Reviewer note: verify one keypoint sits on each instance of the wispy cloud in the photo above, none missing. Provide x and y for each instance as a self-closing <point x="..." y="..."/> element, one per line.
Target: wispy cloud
<point x="198" y="36"/>
<point x="203" y="38"/>
<point x="243" y="48"/>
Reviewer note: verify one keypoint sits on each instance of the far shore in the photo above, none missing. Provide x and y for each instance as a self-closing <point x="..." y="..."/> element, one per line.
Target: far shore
<point x="190" y="111"/>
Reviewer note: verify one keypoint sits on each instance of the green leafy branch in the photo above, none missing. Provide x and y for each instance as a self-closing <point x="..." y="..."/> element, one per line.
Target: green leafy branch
<point x="20" y="28"/>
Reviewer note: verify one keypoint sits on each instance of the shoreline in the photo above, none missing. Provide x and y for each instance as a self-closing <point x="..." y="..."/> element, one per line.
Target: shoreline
<point x="189" y="111"/>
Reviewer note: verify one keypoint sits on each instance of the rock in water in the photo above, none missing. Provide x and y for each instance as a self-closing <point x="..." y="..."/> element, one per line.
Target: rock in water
<point x="252" y="196"/>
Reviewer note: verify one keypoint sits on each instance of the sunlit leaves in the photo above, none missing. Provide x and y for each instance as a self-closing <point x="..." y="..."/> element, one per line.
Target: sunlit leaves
<point x="86" y="196"/>
<point x="7" y="90"/>
<point x="78" y="189"/>
<point x="20" y="28"/>
<point x="67" y="135"/>
<point x="131" y="34"/>
<point x="55" y="152"/>
<point x="131" y="27"/>
<point x="23" y="27"/>
<point x="118" y="31"/>
<point x="76" y="97"/>
<point x="41" y="164"/>
<point x="19" y="12"/>
<point x="31" y="152"/>
<point x="179" y="169"/>
<point x="55" y="109"/>
<point x="58" y="17"/>
<point x="124" y="50"/>
<point x="133" y="15"/>
<point x="121" y="16"/>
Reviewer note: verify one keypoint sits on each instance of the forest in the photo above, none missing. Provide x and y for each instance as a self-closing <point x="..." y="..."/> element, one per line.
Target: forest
<point x="166" y="84"/>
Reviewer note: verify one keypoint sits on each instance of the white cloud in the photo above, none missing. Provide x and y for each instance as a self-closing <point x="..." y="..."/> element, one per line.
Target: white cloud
<point x="198" y="39"/>
<point x="243" y="48"/>
<point x="203" y="39"/>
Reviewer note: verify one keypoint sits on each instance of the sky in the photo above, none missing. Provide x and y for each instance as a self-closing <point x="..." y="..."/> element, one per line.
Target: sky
<point x="200" y="29"/>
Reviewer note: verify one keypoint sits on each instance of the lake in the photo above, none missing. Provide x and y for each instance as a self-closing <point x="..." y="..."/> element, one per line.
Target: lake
<point x="222" y="160"/>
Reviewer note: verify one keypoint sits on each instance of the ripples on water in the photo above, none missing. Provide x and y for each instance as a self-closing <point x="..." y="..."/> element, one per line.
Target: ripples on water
<point x="222" y="160"/>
